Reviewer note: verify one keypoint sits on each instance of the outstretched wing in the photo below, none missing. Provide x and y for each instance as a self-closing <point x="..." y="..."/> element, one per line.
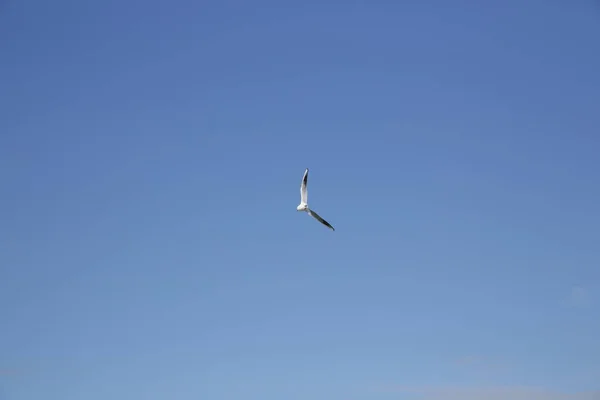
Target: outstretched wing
<point x="318" y="218"/>
<point x="303" y="190"/>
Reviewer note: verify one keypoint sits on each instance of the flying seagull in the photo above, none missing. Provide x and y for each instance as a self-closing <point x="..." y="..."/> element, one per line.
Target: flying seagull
<point x="304" y="202"/>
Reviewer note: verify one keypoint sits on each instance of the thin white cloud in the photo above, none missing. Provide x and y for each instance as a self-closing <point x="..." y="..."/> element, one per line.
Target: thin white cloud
<point x="495" y="393"/>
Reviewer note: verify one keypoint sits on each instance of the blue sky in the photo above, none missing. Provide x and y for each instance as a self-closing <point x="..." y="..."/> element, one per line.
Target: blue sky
<point x="151" y="155"/>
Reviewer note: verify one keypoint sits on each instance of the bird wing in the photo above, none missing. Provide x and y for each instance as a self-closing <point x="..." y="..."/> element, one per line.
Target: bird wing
<point x="318" y="218"/>
<point x="303" y="189"/>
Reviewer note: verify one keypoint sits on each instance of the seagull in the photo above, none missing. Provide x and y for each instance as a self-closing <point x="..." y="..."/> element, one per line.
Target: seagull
<point x="304" y="202"/>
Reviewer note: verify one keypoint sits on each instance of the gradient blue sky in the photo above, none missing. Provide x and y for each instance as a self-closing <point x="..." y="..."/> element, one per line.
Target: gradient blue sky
<point x="150" y="158"/>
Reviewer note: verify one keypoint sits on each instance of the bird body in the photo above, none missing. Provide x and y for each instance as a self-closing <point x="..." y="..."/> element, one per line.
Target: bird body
<point x="303" y="206"/>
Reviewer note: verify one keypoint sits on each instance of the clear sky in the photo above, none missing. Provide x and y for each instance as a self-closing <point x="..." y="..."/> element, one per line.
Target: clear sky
<point x="151" y="154"/>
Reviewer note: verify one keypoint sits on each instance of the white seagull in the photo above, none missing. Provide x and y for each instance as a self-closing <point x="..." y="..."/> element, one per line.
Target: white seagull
<point x="304" y="202"/>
